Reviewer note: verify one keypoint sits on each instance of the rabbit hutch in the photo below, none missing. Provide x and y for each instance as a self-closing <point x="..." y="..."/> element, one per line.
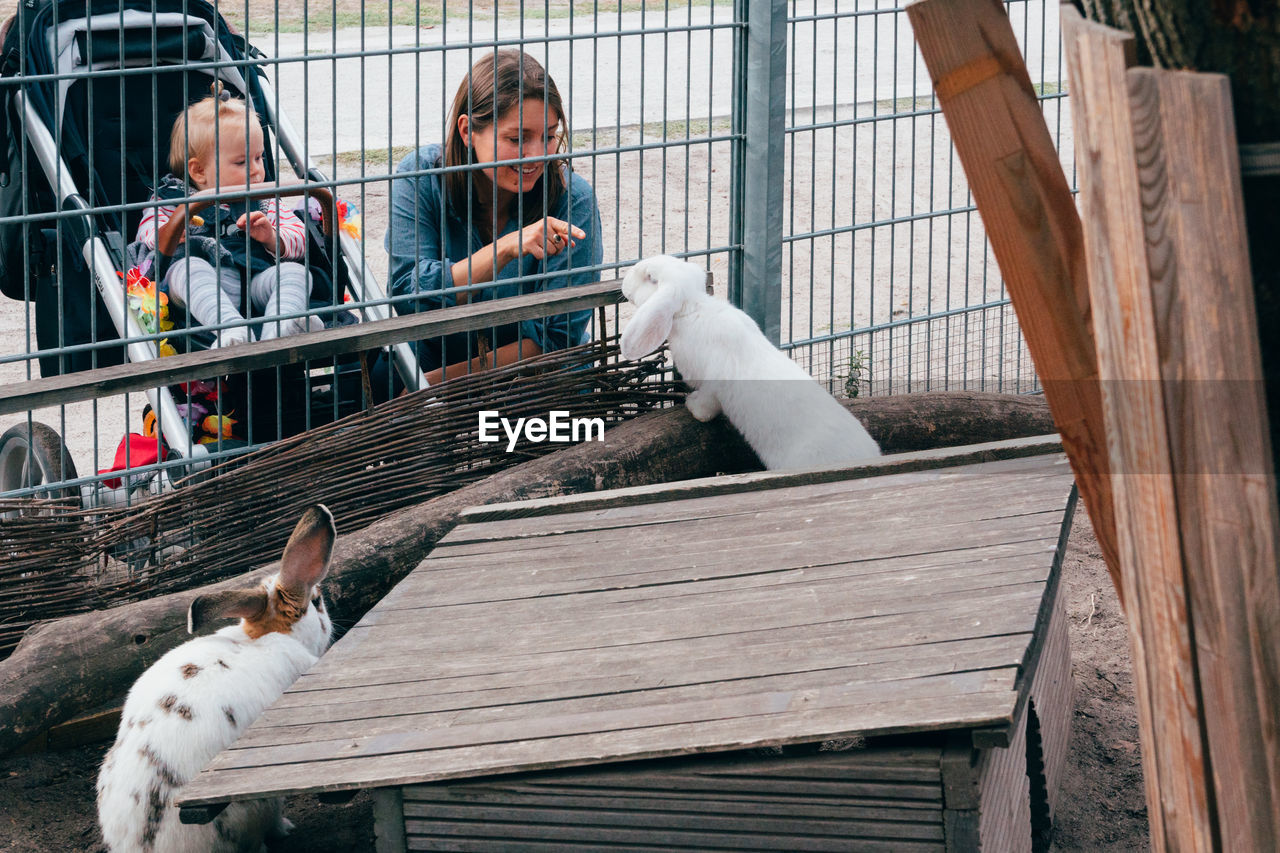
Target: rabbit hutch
<point x="872" y="657"/>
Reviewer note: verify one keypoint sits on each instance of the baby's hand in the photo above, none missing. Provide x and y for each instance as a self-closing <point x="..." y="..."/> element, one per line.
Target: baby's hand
<point x="259" y="227"/>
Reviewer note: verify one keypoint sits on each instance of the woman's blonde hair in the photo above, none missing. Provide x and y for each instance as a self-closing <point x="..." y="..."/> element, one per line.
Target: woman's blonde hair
<point x="196" y="132"/>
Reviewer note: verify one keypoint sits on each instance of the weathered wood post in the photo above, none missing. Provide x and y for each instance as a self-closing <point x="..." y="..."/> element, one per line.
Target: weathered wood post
<point x="1184" y="400"/>
<point x="1031" y="221"/>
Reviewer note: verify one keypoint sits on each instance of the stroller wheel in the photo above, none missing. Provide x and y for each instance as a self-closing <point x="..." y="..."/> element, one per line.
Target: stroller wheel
<point x="32" y="454"/>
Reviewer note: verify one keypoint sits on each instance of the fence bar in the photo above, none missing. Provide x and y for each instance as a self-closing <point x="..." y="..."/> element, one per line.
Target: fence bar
<point x="760" y="90"/>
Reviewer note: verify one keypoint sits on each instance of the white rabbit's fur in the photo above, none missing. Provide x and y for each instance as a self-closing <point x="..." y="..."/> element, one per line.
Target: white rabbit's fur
<point x="786" y="417"/>
<point x="196" y="700"/>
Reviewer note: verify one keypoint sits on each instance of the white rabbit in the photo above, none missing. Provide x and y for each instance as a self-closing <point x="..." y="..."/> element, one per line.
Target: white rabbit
<point x="197" y="699"/>
<point x="786" y="417"/>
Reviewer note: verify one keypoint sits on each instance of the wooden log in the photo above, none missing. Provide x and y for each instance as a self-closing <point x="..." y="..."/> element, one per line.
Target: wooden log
<point x="1031" y="220"/>
<point x="64" y="667"/>
<point x="1210" y="363"/>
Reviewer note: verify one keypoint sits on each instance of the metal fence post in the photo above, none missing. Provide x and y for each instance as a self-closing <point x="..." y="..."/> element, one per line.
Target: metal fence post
<point x="760" y="92"/>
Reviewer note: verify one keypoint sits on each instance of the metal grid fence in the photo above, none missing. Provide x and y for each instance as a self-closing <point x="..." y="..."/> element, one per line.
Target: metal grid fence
<point x="794" y="148"/>
<point x="888" y="283"/>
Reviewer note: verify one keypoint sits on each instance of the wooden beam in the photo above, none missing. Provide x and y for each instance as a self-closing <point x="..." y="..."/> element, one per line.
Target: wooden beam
<point x="185" y="367"/>
<point x="1178" y="785"/>
<point x="757" y="481"/>
<point x="1210" y="363"/>
<point x="1030" y="216"/>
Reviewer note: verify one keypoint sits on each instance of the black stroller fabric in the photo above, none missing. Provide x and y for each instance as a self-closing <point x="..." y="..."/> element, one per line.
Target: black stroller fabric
<point x="114" y="139"/>
<point x="114" y="153"/>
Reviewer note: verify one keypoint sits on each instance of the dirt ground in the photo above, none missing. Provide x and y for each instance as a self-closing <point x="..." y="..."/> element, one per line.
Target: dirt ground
<point x="47" y="800"/>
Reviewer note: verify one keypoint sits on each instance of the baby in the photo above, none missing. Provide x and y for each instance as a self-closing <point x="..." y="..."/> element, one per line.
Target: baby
<point x="232" y="243"/>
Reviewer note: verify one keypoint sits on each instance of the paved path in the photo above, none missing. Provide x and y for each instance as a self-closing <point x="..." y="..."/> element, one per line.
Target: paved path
<point x="619" y="69"/>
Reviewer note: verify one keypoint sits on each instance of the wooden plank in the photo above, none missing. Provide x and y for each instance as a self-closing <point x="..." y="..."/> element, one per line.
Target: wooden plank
<point x="473" y="709"/>
<point x="505" y="724"/>
<point x="921" y="714"/>
<point x="1207" y="337"/>
<point x="436" y="661"/>
<point x="958" y="765"/>
<point x="1020" y="489"/>
<point x="388" y="820"/>
<point x="1031" y="220"/>
<point x="1169" y="709"/>
<point x="563" y="570"/>
<point x="507" y="679"/>
<point x="672" y="559"/>
<point x="1044" y="618"/>
<point x="185" y="367"/>
<point x="470" y="802"/>
<point x="430" y="818"/>
<point x="757" y="481"/>
<point x="722" y="779"/>
<point x="863" y="579"/>
<point x="602" y="837"/>
<point x="1051" y="695"/>
<point x="484" y="583"/>
<point x="1004" y="803"/>
<point x="825" y="778"/>
<point x="885" y="537"/>
<point x="691" y="588"/>
<point x="714" y="619"/>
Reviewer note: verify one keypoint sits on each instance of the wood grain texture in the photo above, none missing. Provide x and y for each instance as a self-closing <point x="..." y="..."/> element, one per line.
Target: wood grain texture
<point x="1004" y="798"/>
<point x="1206" y="332"/>
<point x="186" y="367"/>
<point x="633" y="500"/>
<point x="874" y="798"/>
<point x="877" y="639"/>
<point x="1051" y="698"/>
<point x="1109" y="136"/>
<point x="1031" y="221"/>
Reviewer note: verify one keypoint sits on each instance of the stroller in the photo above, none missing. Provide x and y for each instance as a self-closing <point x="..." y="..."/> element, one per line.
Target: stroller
<point x="88" y="92"/>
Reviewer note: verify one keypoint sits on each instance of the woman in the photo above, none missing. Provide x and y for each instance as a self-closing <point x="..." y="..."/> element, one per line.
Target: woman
<point x="494" y="224"/>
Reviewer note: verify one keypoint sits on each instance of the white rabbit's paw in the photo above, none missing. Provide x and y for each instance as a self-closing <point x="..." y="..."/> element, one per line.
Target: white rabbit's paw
<point x="703" y="405"/>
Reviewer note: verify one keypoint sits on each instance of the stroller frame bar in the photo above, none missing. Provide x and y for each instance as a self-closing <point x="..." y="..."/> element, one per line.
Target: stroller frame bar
<point x="98" y="258"/>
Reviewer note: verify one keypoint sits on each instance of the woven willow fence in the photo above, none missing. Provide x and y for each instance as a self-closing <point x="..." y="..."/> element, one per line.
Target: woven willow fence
<point x="59" y="558"/>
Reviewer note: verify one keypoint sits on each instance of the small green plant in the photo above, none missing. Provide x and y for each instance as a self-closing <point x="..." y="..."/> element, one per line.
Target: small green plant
<point x="853" y="377"/>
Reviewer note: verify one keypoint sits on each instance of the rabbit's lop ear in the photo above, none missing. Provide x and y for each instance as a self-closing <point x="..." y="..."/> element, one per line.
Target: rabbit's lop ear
<point x="306" y="557"/>
<point x="231" y="604"/>
<point x="651" y="324"/>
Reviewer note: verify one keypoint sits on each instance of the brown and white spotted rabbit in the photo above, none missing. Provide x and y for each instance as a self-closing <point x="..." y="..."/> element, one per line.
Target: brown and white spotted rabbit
<point x="198" y="698"/>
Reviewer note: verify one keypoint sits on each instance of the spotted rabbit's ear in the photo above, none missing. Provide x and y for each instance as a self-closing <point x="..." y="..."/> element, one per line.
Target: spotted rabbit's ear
<point x="232" y="604"/>
<point x="306" y="557"/>
<point x="651" y="324"/>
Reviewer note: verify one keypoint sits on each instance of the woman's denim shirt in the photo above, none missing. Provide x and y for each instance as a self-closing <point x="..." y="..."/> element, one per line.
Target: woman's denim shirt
<point x="422" y="264"/>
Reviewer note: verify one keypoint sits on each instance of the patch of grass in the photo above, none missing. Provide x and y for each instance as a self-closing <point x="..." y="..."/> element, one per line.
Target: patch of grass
<point x="375" y="156"/>
<point x="652" y="131"/>
<point x="295" y="16"/>
<point x="889" y="106"/>
<point x="904" y="105"/>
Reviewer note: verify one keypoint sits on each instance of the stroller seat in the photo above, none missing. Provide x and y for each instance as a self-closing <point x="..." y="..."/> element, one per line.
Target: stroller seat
<point x="110" y="132"/>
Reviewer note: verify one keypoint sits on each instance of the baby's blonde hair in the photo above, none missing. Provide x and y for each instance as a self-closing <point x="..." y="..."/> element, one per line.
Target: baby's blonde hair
<point x="196" y="133"/>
